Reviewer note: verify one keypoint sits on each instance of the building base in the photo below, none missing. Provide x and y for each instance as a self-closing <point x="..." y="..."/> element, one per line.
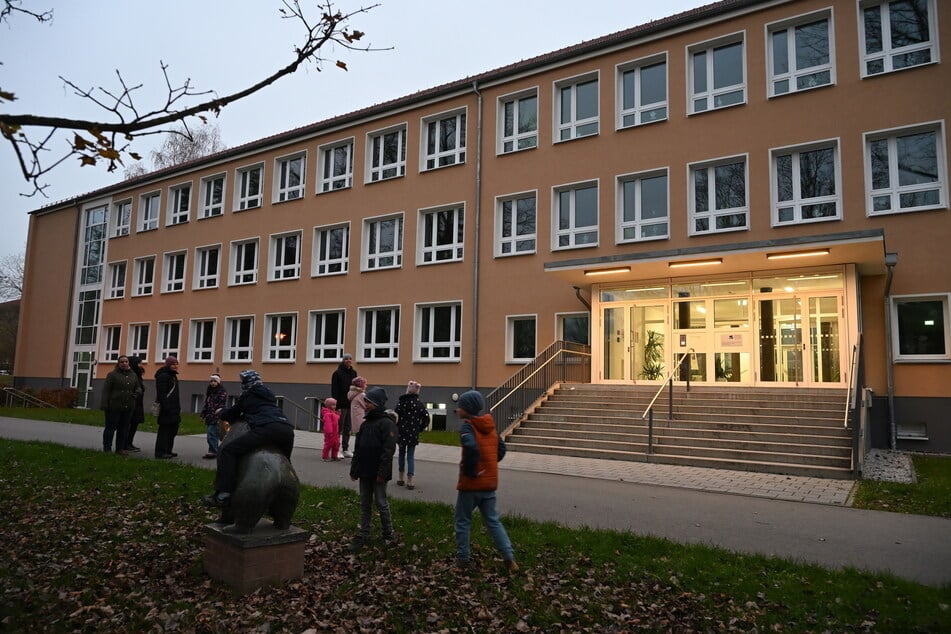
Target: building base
<point x="267" y="556"/>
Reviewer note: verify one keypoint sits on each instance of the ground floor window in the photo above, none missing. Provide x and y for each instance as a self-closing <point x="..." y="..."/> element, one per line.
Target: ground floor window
<point x="520" y="338"/>
<point x="921" y="328"/>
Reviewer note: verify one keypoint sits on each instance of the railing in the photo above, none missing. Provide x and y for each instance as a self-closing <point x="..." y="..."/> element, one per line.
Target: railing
<point x="561" y="362"/>
<point x="858" y="416"/>
<point x="649" y="412"/>
<point x="312" y="420"/>
<point x="15" y="398"/>
<point x="853" y="384"/>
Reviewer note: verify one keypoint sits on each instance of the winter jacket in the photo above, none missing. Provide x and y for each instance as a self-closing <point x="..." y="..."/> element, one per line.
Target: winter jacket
<point x="413" y="418"/>
<point x="358" y="407"/>
<point x="120" y="390"/>
<point x="340" y="384"/>
<point x="166" y="395"/>
<point x="257" y="405"/>
<point x="331" y="422"/>
<point x="374" y="447"/>
<point x="138" y="410"/>
<point x="481" y="451"/>
<point x="215" y="398"/>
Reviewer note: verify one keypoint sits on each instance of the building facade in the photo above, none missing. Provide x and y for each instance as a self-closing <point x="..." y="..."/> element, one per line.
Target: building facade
<point x="762" y="185"/>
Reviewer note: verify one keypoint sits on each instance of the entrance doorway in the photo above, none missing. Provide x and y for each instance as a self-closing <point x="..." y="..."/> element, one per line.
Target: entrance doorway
<point x="800" y="340"/>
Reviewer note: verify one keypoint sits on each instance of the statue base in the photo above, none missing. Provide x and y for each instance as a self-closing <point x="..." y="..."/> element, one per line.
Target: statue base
<point x="266" y="556"/>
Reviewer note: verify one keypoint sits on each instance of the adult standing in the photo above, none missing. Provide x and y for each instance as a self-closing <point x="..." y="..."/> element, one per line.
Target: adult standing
<point x="118" y="399"/>
<point x="216" y="397"/>
<point x="413" y="418"/>
<point x="138" y="412"/>
<point x="170" y="408"/>
<point x="340" y="383"/>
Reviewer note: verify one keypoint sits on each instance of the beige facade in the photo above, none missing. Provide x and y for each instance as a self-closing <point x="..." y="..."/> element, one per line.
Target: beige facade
<point x="733" y="134"/>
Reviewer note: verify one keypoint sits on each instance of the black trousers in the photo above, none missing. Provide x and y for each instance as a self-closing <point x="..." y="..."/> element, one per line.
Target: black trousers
<point x="165" y="439"/>
<point x="345" y="428"/>
<point x="278" y="435"/>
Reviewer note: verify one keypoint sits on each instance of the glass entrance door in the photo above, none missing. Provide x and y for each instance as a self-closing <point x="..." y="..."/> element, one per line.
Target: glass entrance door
<point x="635" y="342"/>
<point x="825" y="343"/>
<point x="799" y="339"/>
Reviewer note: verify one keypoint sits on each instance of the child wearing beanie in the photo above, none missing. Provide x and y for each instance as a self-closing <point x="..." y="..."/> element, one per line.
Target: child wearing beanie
<point x="413" y="419"/>
<point x="372" y="465"/>
<point x="216" y="397"/>
<point x="331" y="427"/>
<point x="358" y="409"/>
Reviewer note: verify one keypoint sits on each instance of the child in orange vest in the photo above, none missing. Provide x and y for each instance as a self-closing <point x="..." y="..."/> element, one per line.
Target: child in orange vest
<point x="331" y="420"/>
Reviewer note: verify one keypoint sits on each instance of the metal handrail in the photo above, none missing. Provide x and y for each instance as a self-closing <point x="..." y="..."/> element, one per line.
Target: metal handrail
<point x="537" y="370"/>
<point x="314" y="418"/>
<point x="27" y="399"/>
<point x="853" y="384"/>
<point x="667" y="380"/>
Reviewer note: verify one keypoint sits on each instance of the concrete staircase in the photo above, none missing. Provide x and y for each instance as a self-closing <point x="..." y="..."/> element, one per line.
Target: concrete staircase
<point x="773" y="430"/>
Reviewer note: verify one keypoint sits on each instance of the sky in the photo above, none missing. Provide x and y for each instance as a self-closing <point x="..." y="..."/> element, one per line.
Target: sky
<point x="225" y="46"/>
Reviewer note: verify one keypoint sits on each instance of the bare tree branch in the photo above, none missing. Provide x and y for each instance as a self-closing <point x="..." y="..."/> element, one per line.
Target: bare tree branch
<point x="11" y="276"/>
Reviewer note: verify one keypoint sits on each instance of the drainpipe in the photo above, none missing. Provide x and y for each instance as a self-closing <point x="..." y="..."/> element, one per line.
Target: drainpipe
<point x="478" y="215"/>
<point x="582" y="299"/>
<point x="891" y="259"/>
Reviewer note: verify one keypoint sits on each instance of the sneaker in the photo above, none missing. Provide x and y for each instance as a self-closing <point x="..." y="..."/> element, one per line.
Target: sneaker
<point x="210" y="456"/>
<point x="325" y="459"/>
<point x="510" y="565"/>
<point x="123" y="452"/>
<point x="133" y="449"/>
<point x="173" y="455"/>
<point x="347" y="454"/>
<point x="463" y="564"/>
<point x="217" y="499"/>
<point x="164" y="456"/>
<point x="391" y="539"/>
<point x="357" y="544"/>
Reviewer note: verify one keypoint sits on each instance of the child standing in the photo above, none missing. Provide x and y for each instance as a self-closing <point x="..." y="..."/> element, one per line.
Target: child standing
<point x="331" y="424"/>
<point x="216" y="397"/>
<point x="372" y="465"/>
<point x="412" y="419"/>
<point x="358" y="410"/>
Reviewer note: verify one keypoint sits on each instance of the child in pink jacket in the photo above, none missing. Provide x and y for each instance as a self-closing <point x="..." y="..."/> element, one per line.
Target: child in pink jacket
<point x="331" y="420"/>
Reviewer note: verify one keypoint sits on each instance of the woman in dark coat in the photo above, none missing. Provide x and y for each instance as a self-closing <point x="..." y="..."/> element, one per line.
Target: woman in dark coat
<point x="170" y="411"/>
<point x="138" y="410"/>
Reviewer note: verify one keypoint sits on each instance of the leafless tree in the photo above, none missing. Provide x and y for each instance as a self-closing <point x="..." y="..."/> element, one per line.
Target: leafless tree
<point x="180" y="146"/>
<point x="11" y="276"/>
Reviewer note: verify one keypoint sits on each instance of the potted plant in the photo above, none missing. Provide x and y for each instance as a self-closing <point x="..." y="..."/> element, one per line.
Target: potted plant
<point x="653" y="367"/>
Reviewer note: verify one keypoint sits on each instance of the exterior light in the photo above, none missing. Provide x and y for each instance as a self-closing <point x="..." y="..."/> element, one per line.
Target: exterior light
<point x="707" y="262"/>
<point x="796" y="254"/>
<point x="616" y="269"/>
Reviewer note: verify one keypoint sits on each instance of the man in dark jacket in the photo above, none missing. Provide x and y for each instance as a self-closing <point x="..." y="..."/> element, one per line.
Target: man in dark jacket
<point x="119" y="393"/>
<point x="340" y="383"/>
<point x="170" y="408"/>
<point x="372" y="465"/>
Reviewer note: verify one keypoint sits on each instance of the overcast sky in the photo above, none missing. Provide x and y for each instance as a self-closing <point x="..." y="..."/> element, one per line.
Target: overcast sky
<point x="227" y="45"/>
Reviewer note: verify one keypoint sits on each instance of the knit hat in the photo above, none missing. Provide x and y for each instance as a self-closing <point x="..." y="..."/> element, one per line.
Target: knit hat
<point x="472" y="402"/>
<point x="249" y="378"/>
<point x="360" y="382"/>
<point x="215" y="377"/>
<point x="169" y="360"/>
<point x="330" y="402"/>
<point x="413" y="387"/>
<point x="377" y="396"/>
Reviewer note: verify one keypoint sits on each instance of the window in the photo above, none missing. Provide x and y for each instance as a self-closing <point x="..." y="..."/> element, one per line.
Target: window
<point x="285" y="257"/>
<point x="121" y="218"/>
<point x="800" y="54"/>
<point x="717" y="74"/>
<point x="518" y="122"/>
<point x="149" y="211"/>
<point x="445" y="140"/>
<point x="117" y="280"/>
<point x="520" y="338"/>
<point x="280" y="343"/>
<point x="174" y="270"/>
<point x="111" y="335"/>
<point x="207" y="266"/>
<point x="202" y="340"/>
<point x="179" y="203"/>
<point x="719" y="196"/>
<point x="906" y="170"/>
<point x="643" y="209"/>
<point x="921" y="326"/>
<point x="574" y="328"/>
<point x="95" y="230"/>
<point x="575" y="216"/>
<point x="515" y="230"/>
<point x="386" y="153"/>
<point x="441" y="235"/>
<point x="336" y="166"/>
<point x="248" y="187"/>
<point x="379" y="334"/>
<point x="87" y="317"/>
<point x="642" y="92"/>
<point x="326" y="335"/>
<point x="290" y="177"/>
<point x="144" y="276"/>
<point x="244" y="262"/>
<point x="239" y="333"/>
<point x="383" y="243"/>
<point x="212" y="196"/>
<point x="331" y="250"/>
<point x="439" y="332"/>
<point x="139" y="341"/>
<point x="576" y="107"/>
<point x="169" y="337"/>
<point x="805" y="184"/>
<point x="897" y="35"/>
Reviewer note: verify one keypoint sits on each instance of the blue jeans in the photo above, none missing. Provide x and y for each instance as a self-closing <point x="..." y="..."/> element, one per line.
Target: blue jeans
<point x="213" y="438"/>
<point x="466" y="502"/>
<point x="370" y="491"/>
<point x="406" y="457"/>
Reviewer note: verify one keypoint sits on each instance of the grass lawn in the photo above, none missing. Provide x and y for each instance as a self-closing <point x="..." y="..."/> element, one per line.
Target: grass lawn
<point x="930" y="495"/>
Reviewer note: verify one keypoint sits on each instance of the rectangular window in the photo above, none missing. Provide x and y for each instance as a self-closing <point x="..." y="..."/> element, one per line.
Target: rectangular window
<point x="331" y="250"/>
<point x="285" y="257"/>
<point x="87" y="317"/>
<point x="383" y="243"/>
<point x="149" y="211"/>
<point x="336" y="166"/>
<point x="439" y="332"/>
<point x="290" y="177"/>
<point x="897" y="35"/>
<point x="643" y="208"/>
<point x="239" y="339"/>
<point x="249" y="184"/>
<point x="117" y="280"/>
<point x="800" y="54"/>
<point x="441" y="235"/>
<point x="326" y="335"/>
<point x="379" y="338"/>
<point x="718" y="201"/>
<point x="518" y="122"/>
<point x="922" y="328"/>
<point x="906" y="170"/>
<point x="169" y="338"/>
<point x="202" y="341"/>
<point x="179" y="203"/>
<point x="174" y="271"/>
<point x="207" y="266"/>
<point x="144" y="276"/>
<point x="515" y="224"/>
<point x="576" y="106"/>
<point x="111" y="336"/>
<point x="139" y="341"/>
<point x="717" y="74"/>
<point x="95" y="230"/>
<point x="520" y="338"/>
<point x="212" y="196"/>
<point x="121" y="218"/>
<point x="575" y="216"/>
<point x="386" y="154"/>
<point x="574" y="328"/>
<point x="281" y="338"/>
<point x="445" y="140"/>
<point x="244" y="262"/>
<point x="805" y="184"/>
<point x="642" y="92"/>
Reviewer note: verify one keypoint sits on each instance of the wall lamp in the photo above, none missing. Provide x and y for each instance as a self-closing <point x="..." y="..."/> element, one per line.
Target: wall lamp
<point x="708" y="261"/>
<point x="616" y="269"/>
<point x="796" y="254"/>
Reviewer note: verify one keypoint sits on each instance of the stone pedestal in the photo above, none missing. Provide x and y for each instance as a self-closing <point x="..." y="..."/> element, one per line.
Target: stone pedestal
<point x="267" y="556"/>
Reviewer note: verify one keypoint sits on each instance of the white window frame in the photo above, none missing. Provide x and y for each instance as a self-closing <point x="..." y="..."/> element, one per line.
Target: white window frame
<point x="212" y="197"/>
<point x="150" y="209"/>
<point x="138" y="342"/>
<point x="323" y="264"/>
<point x="517" y="140"/>
<point x="432" y="154"/>
<point x="167" y="331"/>
<point x="179" y="204"/>
<point x="886" y="57"/>
<point x="285" y="260"/>
<point x="174" y="271"/>
<point x="798" y="203"/>
<point x="111" y="340"/>
<point x="573" y="232"/>
<point x="385" y="171"/>
<point x="122" y="218"/>
<point x="328" y="180"/>
<point x="201" y="350"/>
<point x="710" y="94"/>
<point x="287" y="184"/>
<point x="560" y="319"/>
<point x="319" y="348"/>
<point x="711" y="213"/>
<point x="510" y="321"/>
<point x="571" y="128"/>
<point x="237" y="256"/>
<point x="143" y="284"/>
<point x="426" y="348"/>
<point x="508" y="241"/>
<point x="792" y="76"/>
<point x="895" y="190"/>
<point x="378" y="351"/>
<point x="429" y="249"/>
<point x="280" y="338"/>
<point x="117" y="279"/>
<point x="244" y="198"/>
<point x="945" y="300"/>
<point x="640" y="226"/>
<point x="235" y="352"/>
<point x="371" y="260"/>
<point x="639" y="114"/>
<point x="204" y="279"/>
